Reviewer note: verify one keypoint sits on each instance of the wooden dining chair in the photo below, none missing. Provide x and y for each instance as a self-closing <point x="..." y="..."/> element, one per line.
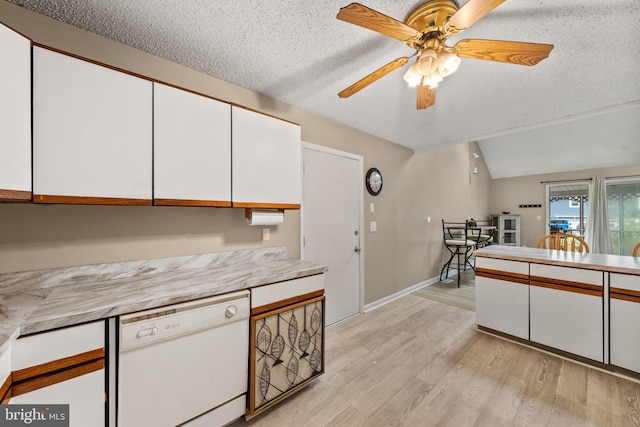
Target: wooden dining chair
<point x="636" y="249"/>
<point x="564" y="242"/>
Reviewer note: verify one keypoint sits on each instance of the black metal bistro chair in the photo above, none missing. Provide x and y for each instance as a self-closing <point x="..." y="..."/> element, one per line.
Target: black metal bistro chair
<point x="481" y="231"/>
<point x="460" y="246"/>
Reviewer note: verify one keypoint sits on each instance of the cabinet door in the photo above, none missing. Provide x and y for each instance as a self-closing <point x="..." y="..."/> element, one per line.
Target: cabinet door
<point x="502" y="296"/>
<point x="192" y="149"/>
<point x="15" y="115"/>
<point x="566" y="310"/>
<point x="286" y="352"/>
<point x="5" y="373"/>
<point x="624" y="321"/>
<point x="92" y="133"/>
<point x="65" y="366"/>
<point x="508" y="229"/>
<point x="84" y="395"/>
<point x="266" y="165"/>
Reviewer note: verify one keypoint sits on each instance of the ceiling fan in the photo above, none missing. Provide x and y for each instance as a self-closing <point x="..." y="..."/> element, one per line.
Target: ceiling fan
<point x="426" y="29"/>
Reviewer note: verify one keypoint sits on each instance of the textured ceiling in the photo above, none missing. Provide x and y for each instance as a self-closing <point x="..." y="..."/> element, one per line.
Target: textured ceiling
<point x="298" y="52"/>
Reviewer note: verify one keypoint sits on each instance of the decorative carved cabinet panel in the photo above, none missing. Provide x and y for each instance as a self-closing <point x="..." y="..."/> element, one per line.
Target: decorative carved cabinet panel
<point x="286" y="353"/>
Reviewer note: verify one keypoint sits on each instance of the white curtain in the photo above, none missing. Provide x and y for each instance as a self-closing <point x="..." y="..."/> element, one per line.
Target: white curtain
<point x="598" y="233"/>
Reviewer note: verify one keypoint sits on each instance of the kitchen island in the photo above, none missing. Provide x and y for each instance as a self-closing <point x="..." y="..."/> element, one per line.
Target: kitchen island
<point x="582" y="306"/>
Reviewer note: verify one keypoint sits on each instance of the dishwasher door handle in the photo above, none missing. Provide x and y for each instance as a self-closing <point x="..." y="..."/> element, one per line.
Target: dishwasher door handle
<point x="147" y="332"/>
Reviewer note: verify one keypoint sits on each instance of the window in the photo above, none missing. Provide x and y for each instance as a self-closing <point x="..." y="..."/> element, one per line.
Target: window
<point x="623" y="199"/>
<point x="568" y="207"/>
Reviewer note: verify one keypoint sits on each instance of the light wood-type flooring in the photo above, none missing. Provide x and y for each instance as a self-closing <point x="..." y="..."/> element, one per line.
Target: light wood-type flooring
<point x="448" y="291"/>
<point x="417" y="362"/>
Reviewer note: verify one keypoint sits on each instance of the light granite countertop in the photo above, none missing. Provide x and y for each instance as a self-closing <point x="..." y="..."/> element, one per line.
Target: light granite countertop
<point x="41" y="300"/>
<point x="600" y="262"/>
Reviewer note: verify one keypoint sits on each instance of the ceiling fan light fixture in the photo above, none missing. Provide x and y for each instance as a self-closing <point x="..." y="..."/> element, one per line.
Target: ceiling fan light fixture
<point x="448" y="62"/>
<point x="433" y="79"/>
<point x="427" y="62"/>
<point x="412" y="77"/>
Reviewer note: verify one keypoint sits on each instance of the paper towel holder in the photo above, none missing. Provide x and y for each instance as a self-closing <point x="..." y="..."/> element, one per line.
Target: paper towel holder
<point x="276" y="216"/>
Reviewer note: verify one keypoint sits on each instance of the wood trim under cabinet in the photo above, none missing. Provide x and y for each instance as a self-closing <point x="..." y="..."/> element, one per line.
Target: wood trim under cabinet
<point x="15" y="195"/>
<point x="265" y="205"/>
<point x="46" y="380"/>
<point x="567" y="286"/>
<point x="624" y="294"/>
<point x="189" y="202"/>
<point x="83" y="200"/>
<point x="287" y="302"/>
<point x="5" y="390"/>
<point x="57" y="365"/>
<point x="503" y="275"/>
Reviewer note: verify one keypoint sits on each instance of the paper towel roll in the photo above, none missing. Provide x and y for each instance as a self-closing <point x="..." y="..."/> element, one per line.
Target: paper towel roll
<point x="264" y="217"/>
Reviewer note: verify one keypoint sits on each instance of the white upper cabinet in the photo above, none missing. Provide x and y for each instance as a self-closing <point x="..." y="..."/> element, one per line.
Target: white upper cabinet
<point x="266" y="161"/>
<point x="92" y="133"/>
<point x="15" y="115"/>
<point x="192" y="149"/>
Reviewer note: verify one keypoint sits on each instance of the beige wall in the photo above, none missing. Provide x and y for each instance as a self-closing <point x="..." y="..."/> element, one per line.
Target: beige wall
<point x="404" y="251"/>
<point x="508" y="193"/>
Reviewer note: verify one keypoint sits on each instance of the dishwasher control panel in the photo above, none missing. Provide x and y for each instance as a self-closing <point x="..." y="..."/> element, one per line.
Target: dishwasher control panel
<point x="150" y="326"/>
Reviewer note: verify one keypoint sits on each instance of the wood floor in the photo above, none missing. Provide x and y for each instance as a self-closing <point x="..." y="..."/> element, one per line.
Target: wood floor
<point x="417" y="362"/>
<point x="448" y="291"/>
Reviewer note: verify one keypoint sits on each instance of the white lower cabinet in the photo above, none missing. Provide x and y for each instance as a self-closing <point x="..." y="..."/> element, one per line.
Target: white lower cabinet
<point x="5" y="374"/>
<point x="84" y="395"/>
<point x="566" y="310"/>
<point x="624" y="321"/>
<point x="502" y="296"/>
<point x="64" y="366"/>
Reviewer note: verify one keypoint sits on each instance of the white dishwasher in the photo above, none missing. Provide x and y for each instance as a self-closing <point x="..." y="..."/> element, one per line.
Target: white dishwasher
<point x="184" y="364"/>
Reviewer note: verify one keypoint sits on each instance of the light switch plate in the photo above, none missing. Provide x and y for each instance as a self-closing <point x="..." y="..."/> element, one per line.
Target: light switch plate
<point x="266" y="234"/>
<point x="373" y="226"/>
<point x="372" y="208"/>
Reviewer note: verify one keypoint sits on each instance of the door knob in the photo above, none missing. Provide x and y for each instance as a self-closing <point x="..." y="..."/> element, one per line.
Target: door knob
<point x="357" y="249"/>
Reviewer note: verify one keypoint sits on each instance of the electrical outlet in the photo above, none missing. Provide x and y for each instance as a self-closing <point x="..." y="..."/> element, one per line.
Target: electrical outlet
<point x="266" y="234"/>
<point x="373" y="226"/>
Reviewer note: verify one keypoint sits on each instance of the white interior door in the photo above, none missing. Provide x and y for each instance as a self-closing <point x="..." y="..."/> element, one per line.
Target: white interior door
<point x="331" y="225"/>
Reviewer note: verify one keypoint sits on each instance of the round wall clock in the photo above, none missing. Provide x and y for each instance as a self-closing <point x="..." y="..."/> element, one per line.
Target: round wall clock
<point x="374" y="181"/>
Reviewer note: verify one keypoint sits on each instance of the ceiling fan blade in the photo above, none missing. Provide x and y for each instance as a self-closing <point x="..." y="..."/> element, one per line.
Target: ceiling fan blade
<point x="520" y="53"/>
<point x="380" y="72"/>
<point x="426" y="97"/>
<point x="471" y="13"/>
<point x="363" y="16"/>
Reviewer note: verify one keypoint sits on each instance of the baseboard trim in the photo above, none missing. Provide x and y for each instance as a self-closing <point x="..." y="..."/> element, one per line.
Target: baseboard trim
<point x="400" y="294"/>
